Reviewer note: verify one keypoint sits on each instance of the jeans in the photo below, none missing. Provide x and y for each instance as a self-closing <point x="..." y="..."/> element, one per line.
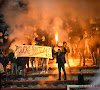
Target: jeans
<point x="13" y="66"/>
<point x="6" y="72"/>
<point x="33" y="59"/>
<point x="27" y="63"/>
<point x="19" y="68"/>
<point x="46" y="62"/>
<point x="36" y="61"/>
<point x="94" y="56"/>
<point x="59" y="68"/>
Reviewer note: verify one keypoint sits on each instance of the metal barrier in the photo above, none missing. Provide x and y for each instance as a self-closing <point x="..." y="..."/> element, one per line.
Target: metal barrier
<point x="82" y="87"/>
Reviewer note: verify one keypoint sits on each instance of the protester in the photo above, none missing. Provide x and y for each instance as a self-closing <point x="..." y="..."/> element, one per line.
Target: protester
<point x="32" y="59"/>
<point x="4" y="61"/>
<point x="60" y="57"/>
<point x="13" y="63"/>
<point x="81" y="50"/>
<point x="94" y="55"/>
<point x="37" y="42"/>
<point x="82" y="57"/>
<point x="80" y="78"/>
<point x="1" y="73"/>
<point x="21" y="62"/>
<point x="44" y="43"/>
<point x="46" y="63"/>
<point x="27" y="60"/>
<point x="66" y="55"/>
<point x="37" y="39"/>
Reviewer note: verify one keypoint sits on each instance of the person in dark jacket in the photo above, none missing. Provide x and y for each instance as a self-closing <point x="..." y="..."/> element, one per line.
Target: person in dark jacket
<point x="13" y="62"/>
<point x="4" y="60"/>
<point x="21" y="62"/>
<point x="60" y="57"/>
<point x="80" y="78"/>
<point x="43" y="41"/>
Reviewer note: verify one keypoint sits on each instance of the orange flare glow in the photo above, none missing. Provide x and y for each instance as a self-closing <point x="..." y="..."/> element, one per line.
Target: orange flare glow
<point x="56" y="37"/>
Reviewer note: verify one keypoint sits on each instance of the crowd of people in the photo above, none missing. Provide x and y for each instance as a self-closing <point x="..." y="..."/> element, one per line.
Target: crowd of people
<point x="86" y="48"/>
<point x="19" y="63"/>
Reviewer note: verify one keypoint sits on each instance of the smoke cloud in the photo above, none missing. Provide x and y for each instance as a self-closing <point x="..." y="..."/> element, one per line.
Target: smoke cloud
<point x="70" y="18"/>
<point x="95" y="81"/>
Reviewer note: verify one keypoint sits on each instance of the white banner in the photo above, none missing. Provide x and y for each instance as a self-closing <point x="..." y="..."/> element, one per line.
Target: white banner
<point x="33" y="51"/>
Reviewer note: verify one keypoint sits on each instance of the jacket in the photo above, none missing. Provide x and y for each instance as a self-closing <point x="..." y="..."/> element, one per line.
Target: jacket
<point x="21" y="61"/>
<point x="11" y="57"/>
<point x="4" y="60"/>
<point x="60" y="59"/>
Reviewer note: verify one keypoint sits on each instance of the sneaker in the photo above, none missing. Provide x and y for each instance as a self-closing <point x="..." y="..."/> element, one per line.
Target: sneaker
<point x="23" y="78"/>
<point x="46" y="72"/>
<point x="65" y="79"/>
<point x="58" y="79"/>
<point x="42" y="72"/>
